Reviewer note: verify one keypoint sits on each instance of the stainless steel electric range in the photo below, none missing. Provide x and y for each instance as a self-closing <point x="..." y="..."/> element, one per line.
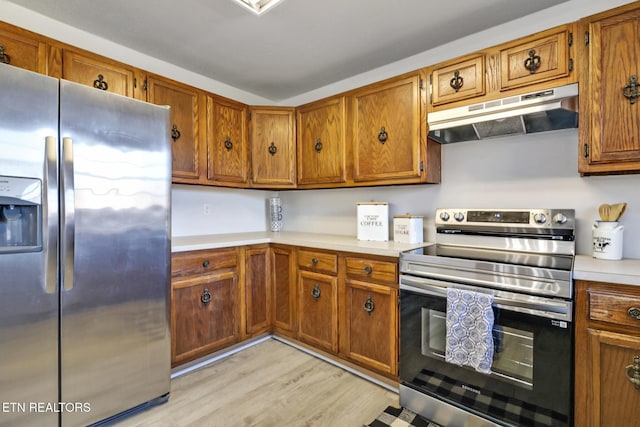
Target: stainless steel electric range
<point x="523" y="259"/>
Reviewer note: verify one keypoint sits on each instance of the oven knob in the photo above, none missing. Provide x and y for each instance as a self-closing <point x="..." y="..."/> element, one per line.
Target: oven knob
<point x="540" y="218"/>
<point x="458" y="216"/>
<point x="444" y="216"/>
<point x="559" y="218"/>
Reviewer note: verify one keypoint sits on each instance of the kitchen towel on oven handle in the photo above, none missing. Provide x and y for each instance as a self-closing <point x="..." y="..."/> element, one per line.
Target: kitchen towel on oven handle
<point x="469" y="327"/>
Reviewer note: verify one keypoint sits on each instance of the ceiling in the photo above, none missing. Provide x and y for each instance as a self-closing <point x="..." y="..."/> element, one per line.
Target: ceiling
<point x="296" y="47"/>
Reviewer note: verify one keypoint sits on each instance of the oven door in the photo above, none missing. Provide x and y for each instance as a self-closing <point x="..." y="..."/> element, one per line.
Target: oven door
<point x="532" y="370"/>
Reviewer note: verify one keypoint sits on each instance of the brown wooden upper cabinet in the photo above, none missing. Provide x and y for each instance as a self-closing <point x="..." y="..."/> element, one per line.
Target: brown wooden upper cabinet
<point x="387" y="129"/>
<point x="609" y="109"/>
<point x="536" y="59"/>
<point x="227" y="142"/>
<point x="461" y="80"/>
<point x="23" y="49"/>
<point x="184" y="126"/>
<point x="321" y="142"/>
<point x="101" y="73"/>
<point x="273" y="143"/>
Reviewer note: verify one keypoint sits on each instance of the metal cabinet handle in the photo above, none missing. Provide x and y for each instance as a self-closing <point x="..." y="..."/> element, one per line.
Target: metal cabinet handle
<point x="634" y="313"/>
<point x="383" y="136"/>
<point x="315" y="292"/>
<point x="314" y="261"/>
<point x="175" y="133"/>
<point x="206" y="296"/>
<point x="205" y="264"/>
<point x="4" y="56"/>
<point x="318" y="146"/>
<point x="100" y="83"/>
<point x="532" y="63"/>
<point x="273" y="149"/>
<point x="369" y="306"/>
<point x="227" y="143"/>
<point x="630" y="91"/>
<point x="457" y="81"/>
<point x="633" y="372"/>
<point x="368" y="269"/>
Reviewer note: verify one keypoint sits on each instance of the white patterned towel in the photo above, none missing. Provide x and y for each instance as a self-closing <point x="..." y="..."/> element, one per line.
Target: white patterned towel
<point x="469" y="329"/>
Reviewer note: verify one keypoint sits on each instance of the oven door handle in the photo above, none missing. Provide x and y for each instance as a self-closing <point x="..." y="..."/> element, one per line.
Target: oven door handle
<point x="536" y="306"/>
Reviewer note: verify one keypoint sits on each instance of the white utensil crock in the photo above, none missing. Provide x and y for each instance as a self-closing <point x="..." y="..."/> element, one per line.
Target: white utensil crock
<point x="607" y="240"/>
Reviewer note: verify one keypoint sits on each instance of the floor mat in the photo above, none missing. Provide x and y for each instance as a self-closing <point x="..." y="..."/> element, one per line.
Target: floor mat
<point x="400" y="417"/>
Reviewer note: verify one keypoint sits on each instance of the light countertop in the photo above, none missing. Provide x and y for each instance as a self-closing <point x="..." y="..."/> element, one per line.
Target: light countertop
<point x="626" y="271"/>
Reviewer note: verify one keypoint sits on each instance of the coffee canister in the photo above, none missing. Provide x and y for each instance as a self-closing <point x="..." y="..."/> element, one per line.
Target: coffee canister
<point x="607" y="240"/>
<point x="275" y="213"/>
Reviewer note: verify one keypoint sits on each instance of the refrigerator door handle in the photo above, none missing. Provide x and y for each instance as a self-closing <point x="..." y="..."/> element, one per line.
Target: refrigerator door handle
<point x="67" y="234"/>
<point x="50" y="214"/>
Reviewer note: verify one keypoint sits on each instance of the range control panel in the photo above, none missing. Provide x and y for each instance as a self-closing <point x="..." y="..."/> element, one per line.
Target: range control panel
<point x="507" y="218"/>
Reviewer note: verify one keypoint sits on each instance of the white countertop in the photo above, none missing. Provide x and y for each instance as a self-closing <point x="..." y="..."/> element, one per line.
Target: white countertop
<point x="625" y="271"/>
<point x="320" y="241"/>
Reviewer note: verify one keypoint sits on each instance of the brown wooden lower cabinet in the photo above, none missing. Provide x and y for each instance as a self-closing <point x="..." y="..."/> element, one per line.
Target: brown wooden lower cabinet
<point x="607" y="341"/>
<point x="283" y="277"/>
<point x="257" y="290"/>
<point x="318" y="309"/>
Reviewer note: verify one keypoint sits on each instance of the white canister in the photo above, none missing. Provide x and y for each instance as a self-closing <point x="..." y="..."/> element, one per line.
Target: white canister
<point x="275" y="213"/>
<point x="607" y="240"/>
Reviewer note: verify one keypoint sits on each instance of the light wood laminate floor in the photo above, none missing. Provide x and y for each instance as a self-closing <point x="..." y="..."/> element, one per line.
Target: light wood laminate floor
<point x="269" y="385"/>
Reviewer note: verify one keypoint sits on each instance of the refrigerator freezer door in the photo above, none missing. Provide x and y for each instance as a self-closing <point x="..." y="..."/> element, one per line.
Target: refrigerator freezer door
<point x="28" y="295"/>
<point x="115" y="252"/>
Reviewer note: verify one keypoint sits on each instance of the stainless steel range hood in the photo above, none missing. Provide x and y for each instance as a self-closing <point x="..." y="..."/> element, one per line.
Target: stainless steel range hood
<point x="541" y="111"/>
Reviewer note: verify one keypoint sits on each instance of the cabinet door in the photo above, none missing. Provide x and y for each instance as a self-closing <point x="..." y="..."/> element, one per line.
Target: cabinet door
<point x="318" y="310"/>
<point x="273" y="147"/>
<point x="22" y="49"/>
<point x="387" y="127"/>
<point x="321" y="142"/>
<point x="284" y="290"/>
<point x="463" y="79"/>
<point x="372" y="329"/>
<point x="615" y="400"/>
<point x="544" y="57"/>
<point x="184" y="103"/>
<point x="227" y="142"/>
<point x="204" y="315"/>
<point x="99" y="72"/>
<point x="609" y="120"/>
<point x="257" y="290"/>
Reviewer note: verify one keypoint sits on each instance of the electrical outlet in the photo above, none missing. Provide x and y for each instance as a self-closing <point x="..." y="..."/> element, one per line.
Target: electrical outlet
<point x="206" y="209"/>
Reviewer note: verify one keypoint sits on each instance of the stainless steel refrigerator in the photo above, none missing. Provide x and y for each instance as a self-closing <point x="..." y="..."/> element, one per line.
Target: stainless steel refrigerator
<point x="85" y="181"/>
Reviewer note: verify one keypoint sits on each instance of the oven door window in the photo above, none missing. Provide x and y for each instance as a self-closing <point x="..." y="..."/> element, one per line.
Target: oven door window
<point x="530" y="383"/>
<point x="512" y="353"/>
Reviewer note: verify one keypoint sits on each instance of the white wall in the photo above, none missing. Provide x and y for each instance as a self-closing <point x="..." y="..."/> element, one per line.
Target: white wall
<point x="528" y="171"/>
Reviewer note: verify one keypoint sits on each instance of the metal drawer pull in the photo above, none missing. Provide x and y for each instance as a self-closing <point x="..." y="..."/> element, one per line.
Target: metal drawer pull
<point x="205" y="264"/>
<point x="368" y="269"/>
<point x="315" y="292"/>
<point x="314" y="261"/>
<point x="457" y="81"/>
<point x="532" y="63"/>
<point x="633" y="372"/>
<point x="273" y="149"/>
<point x="206" y="296"/>
<point x="630" y="91"/>
<point x="175" y="133"/>
<point x="100" y="83"/>
<point x="4" y="56"/>
<point x="383" y="136"/>
<point x="318" y="146"/>
<point x="634" y="313"/>
<point x="369" y="305"/>
<point x="227" y="143"/>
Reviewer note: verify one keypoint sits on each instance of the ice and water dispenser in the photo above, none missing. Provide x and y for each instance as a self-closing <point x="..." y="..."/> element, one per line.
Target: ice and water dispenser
<point x="20" y="214"/>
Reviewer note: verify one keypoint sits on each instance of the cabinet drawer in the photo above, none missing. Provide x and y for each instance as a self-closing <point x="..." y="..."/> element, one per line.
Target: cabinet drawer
<point x="200" y="262"/>
<point x="372" y="270"/>
<point x="318" y="261"/>
<point x="462" y="80"/>
<point x="618" y="309"/>
<point x="535" y="61"/>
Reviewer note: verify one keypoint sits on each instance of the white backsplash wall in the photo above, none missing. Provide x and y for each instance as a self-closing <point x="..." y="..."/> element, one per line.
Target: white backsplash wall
<point x="528" y="171"/>
<point x="229" y="210"/>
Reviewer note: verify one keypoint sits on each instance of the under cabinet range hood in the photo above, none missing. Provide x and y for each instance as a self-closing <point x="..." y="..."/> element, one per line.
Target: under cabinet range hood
<point x="546" y="110"/>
